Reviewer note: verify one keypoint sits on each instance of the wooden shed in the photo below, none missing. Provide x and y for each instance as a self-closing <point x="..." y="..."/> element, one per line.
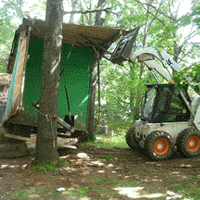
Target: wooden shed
<point x="82" y="47"/>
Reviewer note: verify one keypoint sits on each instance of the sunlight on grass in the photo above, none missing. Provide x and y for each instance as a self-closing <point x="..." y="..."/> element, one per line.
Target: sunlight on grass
<point x="136" y="193"/>
<point x="24" y="194"/>
<point x="77" y="193"/>
<point x="98" y="187"/>
<point x="127" y="188"/>
<point x="102" y="141"/>
<point x="188" y="188"/>
<point x="107" y="187"/>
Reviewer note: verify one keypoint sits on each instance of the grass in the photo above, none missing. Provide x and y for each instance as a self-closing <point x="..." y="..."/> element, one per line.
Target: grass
<point x="189" y="188"/>
<point x="103" y="141"/>
<point x="35" y="192"/>
<point x="98" y="187"/>
<point x="78" y="192"/>
<point x="108" y="157"/>
<point x="51" y="167"/>
<point x="101" y="187"/>
<point x="105" y="180"/>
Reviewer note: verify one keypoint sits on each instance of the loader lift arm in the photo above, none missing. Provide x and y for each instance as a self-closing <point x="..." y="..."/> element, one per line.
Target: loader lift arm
<point x="147" y="56"/>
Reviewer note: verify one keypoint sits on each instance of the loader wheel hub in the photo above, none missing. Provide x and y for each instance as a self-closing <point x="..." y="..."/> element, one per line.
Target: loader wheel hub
<point x="161" y="146"/>
<point x="193" y="143"/>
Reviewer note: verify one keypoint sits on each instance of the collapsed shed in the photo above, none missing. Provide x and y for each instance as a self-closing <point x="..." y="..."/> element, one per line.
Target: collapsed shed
<point x="82" y="47"/>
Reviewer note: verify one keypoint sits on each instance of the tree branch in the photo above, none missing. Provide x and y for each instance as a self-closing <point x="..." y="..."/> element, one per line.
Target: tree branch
<point x="194" y="64"/>
<point x="164" y="24"/>
<point x="107" y="10"/>
<point x="157" y="10"/>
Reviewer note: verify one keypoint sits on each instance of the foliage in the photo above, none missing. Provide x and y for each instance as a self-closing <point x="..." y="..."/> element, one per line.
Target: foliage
<point x="121" y="95"/>
<point x="13" y="8"/>
<point x="189" y="77"/>
<point x="196" y="12"/>
<point x="11" y="13"/>
<point x="37" y="10"/>
<point x="6" y="35"/>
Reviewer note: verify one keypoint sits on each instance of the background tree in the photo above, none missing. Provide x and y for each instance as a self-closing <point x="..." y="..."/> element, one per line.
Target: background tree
<point x="10" y="10"/>
<point x="196" y="12"/>
<point x="6" y="35"/>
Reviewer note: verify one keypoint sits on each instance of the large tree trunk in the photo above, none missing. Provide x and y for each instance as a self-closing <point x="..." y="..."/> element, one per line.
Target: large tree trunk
<point x="46" y="145"/>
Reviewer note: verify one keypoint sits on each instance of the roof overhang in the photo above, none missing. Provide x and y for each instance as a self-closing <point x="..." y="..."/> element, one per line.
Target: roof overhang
<point x="79" y="35"/>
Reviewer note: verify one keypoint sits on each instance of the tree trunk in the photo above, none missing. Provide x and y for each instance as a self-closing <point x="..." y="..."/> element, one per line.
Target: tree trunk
<point x="99" y="21"/>
<point x="94" y="78"/>
<point x="74" y="5"/>
<point x="91" y="107"/>
<point x="46" y="145"/>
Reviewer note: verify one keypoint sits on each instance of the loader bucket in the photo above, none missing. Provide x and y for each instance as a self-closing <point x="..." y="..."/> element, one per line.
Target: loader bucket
<point x="124" y="47"/>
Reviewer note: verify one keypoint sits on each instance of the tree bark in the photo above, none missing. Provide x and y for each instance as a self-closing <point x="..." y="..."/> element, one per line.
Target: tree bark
<point x="99" y="21"/>
<point x="46" y="145"/>
<point x="74" y="5"/>
<point x="91" y="107"/>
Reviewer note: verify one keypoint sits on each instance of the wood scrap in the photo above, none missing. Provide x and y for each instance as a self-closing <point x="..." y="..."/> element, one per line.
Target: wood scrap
<point x="61" y="143"/>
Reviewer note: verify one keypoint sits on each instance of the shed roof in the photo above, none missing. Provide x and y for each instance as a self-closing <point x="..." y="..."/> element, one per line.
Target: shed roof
<point x="79" y="35"/>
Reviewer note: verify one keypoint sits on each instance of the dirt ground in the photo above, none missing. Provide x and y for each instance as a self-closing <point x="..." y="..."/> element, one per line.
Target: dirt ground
<point x="96" y="173"/>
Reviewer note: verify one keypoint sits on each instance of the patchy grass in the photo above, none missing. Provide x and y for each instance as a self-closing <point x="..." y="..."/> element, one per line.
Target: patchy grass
<point x="33" y="193"/>
<point x="100" y="187"/>
<point x="106" y="187"/>
<point x="77" y="193"/>
<point x="108" y="157"/>
<point x="188" y="188"/>
<point x="51" y="167"/>
<point x="104" y="141"/>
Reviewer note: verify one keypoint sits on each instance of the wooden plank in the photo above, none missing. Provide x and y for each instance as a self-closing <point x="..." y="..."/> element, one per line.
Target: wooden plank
<point x="31" y="140"/>
<point x="17" y="137"/>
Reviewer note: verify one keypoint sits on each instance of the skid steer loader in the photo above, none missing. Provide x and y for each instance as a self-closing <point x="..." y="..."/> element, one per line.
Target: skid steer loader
<point x="168" y="118"/>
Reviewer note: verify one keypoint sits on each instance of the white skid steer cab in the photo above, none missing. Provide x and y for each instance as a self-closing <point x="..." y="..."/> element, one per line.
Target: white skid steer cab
<point x="168" y="117"/>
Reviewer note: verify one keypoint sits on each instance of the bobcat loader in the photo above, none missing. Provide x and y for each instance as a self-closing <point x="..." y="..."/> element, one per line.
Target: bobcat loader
<point x="168" y="118"/>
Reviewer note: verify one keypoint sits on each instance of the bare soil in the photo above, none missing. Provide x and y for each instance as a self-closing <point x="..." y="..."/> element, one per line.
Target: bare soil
<point x="119" y="173"/>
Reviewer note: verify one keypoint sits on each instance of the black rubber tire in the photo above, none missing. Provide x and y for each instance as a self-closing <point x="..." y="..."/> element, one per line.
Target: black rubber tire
<point x="130" y="138"/>
<point x="151" y="140"/>
<point x="182" y="140"/>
